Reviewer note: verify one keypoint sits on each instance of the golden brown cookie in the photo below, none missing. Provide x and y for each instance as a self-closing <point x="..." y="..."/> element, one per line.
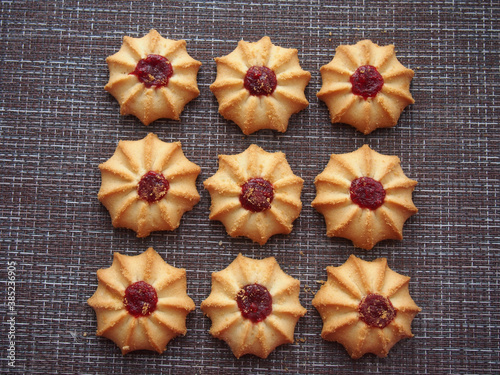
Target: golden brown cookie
<point x="364" y="196"/>
<point x="141" y="302"/>
<point x="255" y="194"/>
<point x="366" y="86"/>
<point x="254" y="306"/>
<point x="147" y="185"/>
<point x="365" y="306"/>
<point x="260" y="85"/>
<point x="152" y="77"/>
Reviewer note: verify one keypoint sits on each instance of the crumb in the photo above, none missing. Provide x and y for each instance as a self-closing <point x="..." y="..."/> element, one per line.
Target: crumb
<point x="330" y="33"/>
<point x="329" y="39"/>
<point x="321" y="281"/>
<point x="84" y="334"/>
<point x="301" y="252"/>
<point x="220" y="243"/>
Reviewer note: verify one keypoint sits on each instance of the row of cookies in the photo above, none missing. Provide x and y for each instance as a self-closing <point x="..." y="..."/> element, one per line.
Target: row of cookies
<point x="147" y="185"/>
<point x="260" y="85"/>
<point x="141" y="303"/>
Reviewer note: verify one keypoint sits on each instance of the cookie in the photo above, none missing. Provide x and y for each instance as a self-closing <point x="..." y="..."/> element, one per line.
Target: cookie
<point x="260" y="85"/>
<point x="364" y="196"/>
<point x="141" y="302"/>
<point x="152" y="77"/>
<point x="147" y="185"/>
<point x="255" y="194"/>
<point x="366" y="86"/>
<point x="365" y="306"/>
<point x="254" y="306"/>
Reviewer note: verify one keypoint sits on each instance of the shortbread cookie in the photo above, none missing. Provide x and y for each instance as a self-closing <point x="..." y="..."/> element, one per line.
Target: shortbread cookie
<point x="254" y="306"/>
<point x="255" y="194"/>
<point x="260" y="85"/>
<point x="147" y="185"/>
<point x="366" y="86"/>
<point x="365" y="306"/>
<point x="364" y="196"/>
<point x="141" y="302"/>
<point x="152" y="77"/>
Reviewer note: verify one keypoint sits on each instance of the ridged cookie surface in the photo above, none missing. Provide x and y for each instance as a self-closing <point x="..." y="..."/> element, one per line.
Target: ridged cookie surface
<point x="147" y="185"/>
<point x="366" y="86"/>
<point x="272" y="307"/>
<point x="255" y="194"/>
<point x="364" y="196"/>
<point x="152" y="77"/>
<point x="365" y="306"/>
<point x="260" y="85"/>
<point x="126" y="316"/>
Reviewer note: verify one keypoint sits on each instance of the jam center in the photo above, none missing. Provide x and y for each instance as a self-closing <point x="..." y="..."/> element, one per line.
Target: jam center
<point x="366" y="81"/>
<point x="152" y="187"/>
<point x="376" y="311"/>
<point x="154" y="70"/>
<point x="260" y="80"/>
<point x="255" y="302"/>
<point x="257" y="195"/>
<point x="140" y="299"/>
<point x="367" y="193"/>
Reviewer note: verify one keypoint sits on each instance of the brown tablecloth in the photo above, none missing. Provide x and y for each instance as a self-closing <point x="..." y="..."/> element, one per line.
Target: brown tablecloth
<point x="58" y="124"/>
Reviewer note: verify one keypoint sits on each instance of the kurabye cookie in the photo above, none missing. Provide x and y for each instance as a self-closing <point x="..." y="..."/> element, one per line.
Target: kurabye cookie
<point x="152" y="77"/>
<point x="255" y="194"/>
<point x="365" y="306"/>
<point x="366" y="86"/>
<point x="254" y="306"/>
<point x="141" y="302"/>
<point x="364" y="196"/>
<point x="147" y="185"/>
<point x="260" y="85"/>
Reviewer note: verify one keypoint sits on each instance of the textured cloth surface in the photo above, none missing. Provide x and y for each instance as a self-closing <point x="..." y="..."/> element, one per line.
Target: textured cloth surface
<point x="58" y="124"/>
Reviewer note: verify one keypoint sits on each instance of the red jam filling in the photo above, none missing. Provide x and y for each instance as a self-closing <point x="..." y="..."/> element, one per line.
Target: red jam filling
<point x="255" y="302"/>
<point x="260" y="80"/>
<point x="154" y="70"/>
<point x="366" y="81"/>
<point x="140" y="299"/>
<point x="152" y="187"/>
<point x="376" y="311"/>
<point x="257" y="195"/>
<point x="367" y="193"/>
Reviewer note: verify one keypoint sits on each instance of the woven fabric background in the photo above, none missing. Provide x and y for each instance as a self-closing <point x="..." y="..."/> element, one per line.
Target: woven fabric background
<point x="58" y="124"/>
